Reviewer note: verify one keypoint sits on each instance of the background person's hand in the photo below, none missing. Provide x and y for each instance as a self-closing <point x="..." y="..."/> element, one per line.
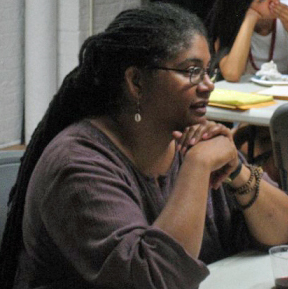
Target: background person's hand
<point x="280" y="11"/>
<point x="193" y="134"/>
<point x="263" y="8"/>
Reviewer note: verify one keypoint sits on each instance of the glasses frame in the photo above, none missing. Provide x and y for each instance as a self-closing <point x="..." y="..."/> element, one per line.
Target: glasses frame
<point x="191" y="72"/>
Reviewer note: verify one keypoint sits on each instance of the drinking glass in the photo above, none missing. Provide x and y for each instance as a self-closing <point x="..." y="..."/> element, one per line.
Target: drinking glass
<point x="279" y="262"/>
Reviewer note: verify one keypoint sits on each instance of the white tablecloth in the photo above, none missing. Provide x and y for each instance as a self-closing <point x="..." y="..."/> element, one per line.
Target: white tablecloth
<point x="249" y="270"/>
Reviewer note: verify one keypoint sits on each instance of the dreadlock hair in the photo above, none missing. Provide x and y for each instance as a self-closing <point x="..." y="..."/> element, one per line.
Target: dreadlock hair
<point x="139" y="37"/>
<point x="223" y="22"/>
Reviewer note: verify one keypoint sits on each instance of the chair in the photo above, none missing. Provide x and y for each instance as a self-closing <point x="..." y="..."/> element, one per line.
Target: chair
<point x="9" y="165"/>
<point x="279" y="136"/>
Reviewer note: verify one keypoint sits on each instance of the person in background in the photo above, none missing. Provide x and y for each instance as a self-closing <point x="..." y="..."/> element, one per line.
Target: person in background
<point x="245" y="35"/>
<point x="248" y="33"/>
<point x="121" y="185"/>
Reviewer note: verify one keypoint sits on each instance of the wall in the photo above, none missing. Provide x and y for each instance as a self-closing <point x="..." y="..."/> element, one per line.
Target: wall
<point x="11" y="71"/>
<point x="73" y="27"/>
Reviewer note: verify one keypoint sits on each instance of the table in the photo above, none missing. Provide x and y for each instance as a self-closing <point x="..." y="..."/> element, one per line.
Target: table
<point x="248" y="270"/>
<point x="255" y="116"/>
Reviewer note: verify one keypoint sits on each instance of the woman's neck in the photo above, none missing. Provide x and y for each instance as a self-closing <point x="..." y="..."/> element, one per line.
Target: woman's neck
<point x="152" y="153"/>
<point x="264" y="26"/>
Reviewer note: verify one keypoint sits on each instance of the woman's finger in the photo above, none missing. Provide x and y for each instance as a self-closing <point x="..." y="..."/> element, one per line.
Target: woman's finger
<point x="193" y="134"/>
<point x="219" y="129"/>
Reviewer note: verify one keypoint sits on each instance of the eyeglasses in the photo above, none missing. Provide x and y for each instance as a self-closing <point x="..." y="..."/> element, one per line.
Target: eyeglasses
<point x="196" y="74"/>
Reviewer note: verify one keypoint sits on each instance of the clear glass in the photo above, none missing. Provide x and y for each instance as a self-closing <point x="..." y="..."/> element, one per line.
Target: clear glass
<point x="279" y="262"/>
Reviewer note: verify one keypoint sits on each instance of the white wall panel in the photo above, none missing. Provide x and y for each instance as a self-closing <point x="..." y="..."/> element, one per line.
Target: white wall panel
<point x="11" y="71"/>
<point x="40" y="60"/>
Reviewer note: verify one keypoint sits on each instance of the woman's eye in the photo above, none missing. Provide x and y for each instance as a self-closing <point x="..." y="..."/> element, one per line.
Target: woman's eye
<point x="195" y="70"/>
<point x="189" y="70"/>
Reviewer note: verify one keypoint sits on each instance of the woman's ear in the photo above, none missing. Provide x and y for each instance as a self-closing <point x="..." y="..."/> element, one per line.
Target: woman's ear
<point x="134" y="80"/>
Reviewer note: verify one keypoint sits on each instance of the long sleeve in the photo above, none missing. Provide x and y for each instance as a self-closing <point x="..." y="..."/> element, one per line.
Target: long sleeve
<point x="93" y="221"/>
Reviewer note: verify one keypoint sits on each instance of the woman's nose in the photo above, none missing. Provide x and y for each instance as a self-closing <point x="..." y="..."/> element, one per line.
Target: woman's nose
<point x="206" y="84"/>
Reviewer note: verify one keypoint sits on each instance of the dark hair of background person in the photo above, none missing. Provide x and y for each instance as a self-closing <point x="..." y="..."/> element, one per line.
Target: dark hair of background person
<point x="223" y="22"/>
<point x="200" y="7"/>
<point x="142" y="37"/>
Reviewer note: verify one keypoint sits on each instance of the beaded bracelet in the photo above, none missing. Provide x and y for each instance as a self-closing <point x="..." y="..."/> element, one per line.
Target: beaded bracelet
<point x="256" y="187"/>
<point x="255" y="172"/>
<point x="246" y="188"/>
<point x="252" y="201"/>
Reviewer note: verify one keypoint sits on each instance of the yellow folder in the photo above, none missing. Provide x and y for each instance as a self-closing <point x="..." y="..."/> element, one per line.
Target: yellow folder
<point x="233" y="99"/>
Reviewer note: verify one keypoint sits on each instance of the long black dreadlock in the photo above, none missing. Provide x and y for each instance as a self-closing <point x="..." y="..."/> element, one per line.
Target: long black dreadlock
<point x="139" y="37"/>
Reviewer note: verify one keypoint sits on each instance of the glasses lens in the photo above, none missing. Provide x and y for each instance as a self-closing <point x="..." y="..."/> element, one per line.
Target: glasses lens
<point x="196" y="75"/>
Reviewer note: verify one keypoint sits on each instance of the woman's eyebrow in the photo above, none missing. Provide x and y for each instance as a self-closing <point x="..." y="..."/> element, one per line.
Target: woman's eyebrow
<point x="195" y="61"/>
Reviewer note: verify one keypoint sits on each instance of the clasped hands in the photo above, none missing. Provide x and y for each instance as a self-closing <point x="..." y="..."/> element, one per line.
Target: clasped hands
<point x="207" y="140"/>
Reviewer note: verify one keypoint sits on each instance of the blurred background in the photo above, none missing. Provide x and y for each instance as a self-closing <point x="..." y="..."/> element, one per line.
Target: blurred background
<point x="39" y="45"/>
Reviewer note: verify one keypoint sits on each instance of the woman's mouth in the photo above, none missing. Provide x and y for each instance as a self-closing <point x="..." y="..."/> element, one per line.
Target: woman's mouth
<point x="199" y="107"/>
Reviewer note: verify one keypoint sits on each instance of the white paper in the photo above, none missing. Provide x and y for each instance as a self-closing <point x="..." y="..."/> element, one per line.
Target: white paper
<point x="276" y="90"/>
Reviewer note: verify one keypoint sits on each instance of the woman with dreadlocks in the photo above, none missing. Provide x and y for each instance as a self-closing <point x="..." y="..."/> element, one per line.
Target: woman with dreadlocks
<point x="121" y="184"/>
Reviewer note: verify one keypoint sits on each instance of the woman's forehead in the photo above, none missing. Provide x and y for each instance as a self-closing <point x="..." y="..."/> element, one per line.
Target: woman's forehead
<point x="197" y="52"/>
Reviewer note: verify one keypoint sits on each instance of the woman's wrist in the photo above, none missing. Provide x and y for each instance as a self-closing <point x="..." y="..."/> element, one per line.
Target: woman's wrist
<point x="241" y="178"/>
<point x="252" y="16"/>
<point x="236" y="172"/>
<point x="246" y="195"/>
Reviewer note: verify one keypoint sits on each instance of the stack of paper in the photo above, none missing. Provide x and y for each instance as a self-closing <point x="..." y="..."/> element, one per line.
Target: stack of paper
<point x="279" y="92"/>
<point x="233" y="99"/>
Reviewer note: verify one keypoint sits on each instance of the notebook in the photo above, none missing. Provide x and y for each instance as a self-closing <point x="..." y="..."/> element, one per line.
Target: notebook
<point x="232" y="99"/>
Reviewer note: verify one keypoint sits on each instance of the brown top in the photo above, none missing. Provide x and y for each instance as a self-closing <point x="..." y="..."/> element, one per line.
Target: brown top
<point x="88" y="221"/>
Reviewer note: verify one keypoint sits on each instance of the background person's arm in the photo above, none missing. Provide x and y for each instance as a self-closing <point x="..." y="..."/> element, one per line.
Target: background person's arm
<point x="233" y="64"/>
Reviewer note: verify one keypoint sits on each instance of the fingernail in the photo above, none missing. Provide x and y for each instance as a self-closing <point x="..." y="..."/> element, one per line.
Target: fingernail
<point x="192" y="141"/>
<point x="205" y="135"/>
